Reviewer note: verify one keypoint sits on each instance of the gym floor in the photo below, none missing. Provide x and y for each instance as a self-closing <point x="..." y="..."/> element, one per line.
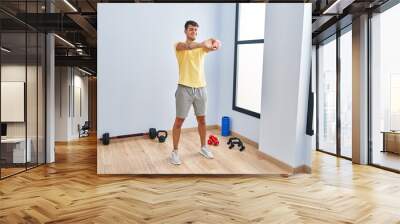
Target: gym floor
<point x="141" y="155"/>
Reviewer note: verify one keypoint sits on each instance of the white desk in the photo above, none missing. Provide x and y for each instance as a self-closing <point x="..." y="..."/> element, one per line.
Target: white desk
<point x="19" y="149"/>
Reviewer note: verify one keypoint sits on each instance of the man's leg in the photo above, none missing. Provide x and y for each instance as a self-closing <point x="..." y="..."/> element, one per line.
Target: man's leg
<point x="176" y="131"/>
<point x="199" y="105"/>
<point x="201" y="127"/>
<point x="183" y="102"/>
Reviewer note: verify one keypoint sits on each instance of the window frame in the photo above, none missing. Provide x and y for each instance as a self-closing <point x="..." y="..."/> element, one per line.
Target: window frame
<point x="25" y="30"/>
<point x="237" y="43"/>
<point x="380" y="9"/>
<point x="334" y="37"/>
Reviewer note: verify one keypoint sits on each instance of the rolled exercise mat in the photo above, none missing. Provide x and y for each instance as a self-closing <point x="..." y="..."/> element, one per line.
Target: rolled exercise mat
<point x="225" y="126"/>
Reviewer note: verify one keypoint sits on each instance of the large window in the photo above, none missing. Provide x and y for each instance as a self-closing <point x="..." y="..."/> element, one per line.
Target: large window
<point x="249" y="50"/>
<point x="327" y="95"/>
<point x="334" y="110"/>
<point x="346" y="93"/>
<point x="385" y="89"/>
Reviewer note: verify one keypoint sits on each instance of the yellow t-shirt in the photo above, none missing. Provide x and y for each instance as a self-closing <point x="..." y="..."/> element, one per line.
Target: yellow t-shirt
<point x="191" y="67"/>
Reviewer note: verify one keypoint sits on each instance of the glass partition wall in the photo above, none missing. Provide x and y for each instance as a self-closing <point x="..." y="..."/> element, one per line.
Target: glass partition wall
<point x="22" y="88"/>
<point x="327" y="95"/>
<point x="385" y="89"/>
<point x="334" y="94"/>
<point x="345" y="62"/>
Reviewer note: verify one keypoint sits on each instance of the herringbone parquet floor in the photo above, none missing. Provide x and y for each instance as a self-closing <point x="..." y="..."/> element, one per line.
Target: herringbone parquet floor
<point x="69" y="191"/>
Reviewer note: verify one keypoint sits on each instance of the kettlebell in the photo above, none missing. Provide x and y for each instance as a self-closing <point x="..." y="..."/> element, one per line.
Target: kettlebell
<point x="152" y="133"/>
<point x="162" y="135"/>
<point x="106" y="139"/>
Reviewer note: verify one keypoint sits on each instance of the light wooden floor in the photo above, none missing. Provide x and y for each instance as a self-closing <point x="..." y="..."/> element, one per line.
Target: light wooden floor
<point x="10" y="171"/>
<point x="141" y="155"/>
<point x="70" y="191"/>
<point x="386" y="159"/>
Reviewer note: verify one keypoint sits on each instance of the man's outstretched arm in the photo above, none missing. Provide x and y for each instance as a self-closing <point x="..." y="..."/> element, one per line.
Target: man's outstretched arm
<point x="181" y="46"/>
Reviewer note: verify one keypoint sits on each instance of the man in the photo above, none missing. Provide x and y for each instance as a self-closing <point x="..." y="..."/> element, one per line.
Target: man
<point x="191" y="86"/>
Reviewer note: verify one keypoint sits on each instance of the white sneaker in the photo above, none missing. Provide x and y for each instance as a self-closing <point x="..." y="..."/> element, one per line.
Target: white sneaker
<point x="174" y="159"/>
<point x="206" y="152"/>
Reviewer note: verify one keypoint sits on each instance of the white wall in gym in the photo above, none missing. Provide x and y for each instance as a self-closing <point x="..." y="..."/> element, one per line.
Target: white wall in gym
<point x="137" y="67"/>
<point x="285" y="83"/>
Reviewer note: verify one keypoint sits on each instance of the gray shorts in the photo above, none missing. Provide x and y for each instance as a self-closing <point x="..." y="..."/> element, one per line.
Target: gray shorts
<point x="187" y="96"/>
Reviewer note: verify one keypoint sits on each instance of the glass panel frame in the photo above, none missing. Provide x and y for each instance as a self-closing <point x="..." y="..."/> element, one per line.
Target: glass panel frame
<point x="384" y="70"/>
<point x="327" y="96"/>
<point x="24" y="60"/>
<point x="249" y="74"/>
<point x="251" y="21"/>
<point x="340" y="102"/>
<point x="345" y="55"/>
<point x="14" y="153"/>
<point x="239" y="43"/>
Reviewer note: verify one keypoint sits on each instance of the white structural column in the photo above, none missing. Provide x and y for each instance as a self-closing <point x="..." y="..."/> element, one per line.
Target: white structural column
<point x="285" y="83"/>
<point x="50" y="91"/>
<point x="360" y="90"/>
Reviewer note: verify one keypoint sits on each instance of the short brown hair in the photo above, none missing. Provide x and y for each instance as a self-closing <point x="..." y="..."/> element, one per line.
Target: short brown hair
<point x="190" y="22"/>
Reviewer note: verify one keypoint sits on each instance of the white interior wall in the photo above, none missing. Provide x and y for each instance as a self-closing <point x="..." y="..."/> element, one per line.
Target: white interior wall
<point x="67" y="78"/>
<point x="285" y="83"/>
<point x="61" y="103"/>
<point x="79" y="117"/>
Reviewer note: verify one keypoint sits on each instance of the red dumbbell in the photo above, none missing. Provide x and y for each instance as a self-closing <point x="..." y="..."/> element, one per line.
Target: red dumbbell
<point x="213" y="140"/>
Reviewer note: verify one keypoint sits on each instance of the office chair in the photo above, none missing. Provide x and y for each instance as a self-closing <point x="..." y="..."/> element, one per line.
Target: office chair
<point x="84" y="130"/>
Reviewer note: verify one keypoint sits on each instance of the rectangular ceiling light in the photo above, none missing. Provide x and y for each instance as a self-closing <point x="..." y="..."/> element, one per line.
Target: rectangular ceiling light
<point x="84" y="71"/>
<point x="5" y="50"/>
<point x="65" y="41"/>
<point x="70" y="5"/>
<point x="337" y="7"/>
